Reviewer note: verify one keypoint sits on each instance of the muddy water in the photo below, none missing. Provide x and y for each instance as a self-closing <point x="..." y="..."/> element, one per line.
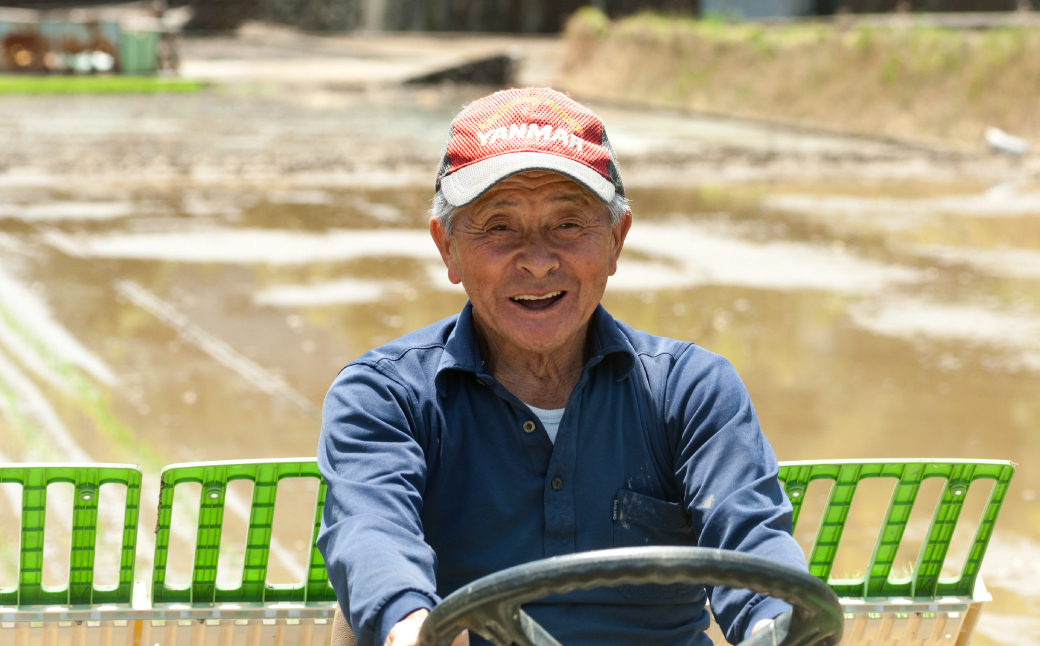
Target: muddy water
<point x="203" y="320"/>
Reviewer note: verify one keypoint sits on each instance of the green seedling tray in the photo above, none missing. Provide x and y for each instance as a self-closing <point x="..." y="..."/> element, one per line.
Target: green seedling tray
<point x="924" y="582"/>
<point x="909" y="474"/>
<point x="87" y="479"/>
<point x="214" y="477"/>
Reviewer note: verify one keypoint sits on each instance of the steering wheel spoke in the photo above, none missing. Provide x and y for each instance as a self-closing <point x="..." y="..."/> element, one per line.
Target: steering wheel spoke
<point x="534" y="633"/>
<point x="773" y="634"/>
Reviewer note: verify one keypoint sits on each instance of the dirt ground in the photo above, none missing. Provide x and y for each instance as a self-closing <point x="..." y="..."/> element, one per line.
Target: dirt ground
<point x="248" y="134"/>
<point x="288" y="108"/>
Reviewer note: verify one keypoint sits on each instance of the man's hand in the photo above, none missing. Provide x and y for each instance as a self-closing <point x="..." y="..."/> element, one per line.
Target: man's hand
<point x="759" y="625"/>
<point x="406" y="631"/>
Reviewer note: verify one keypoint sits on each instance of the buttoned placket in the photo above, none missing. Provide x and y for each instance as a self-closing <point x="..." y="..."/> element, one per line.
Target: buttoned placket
<point x="558" y="470"/>
<point x="560" y="525"/>
<point x="537" y="445"/>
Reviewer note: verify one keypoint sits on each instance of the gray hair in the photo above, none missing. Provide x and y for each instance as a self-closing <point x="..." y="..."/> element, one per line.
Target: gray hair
<point x="444" y="212"/>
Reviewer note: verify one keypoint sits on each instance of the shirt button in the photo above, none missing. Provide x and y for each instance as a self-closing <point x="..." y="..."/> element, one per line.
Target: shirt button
<point x="557" y="484"/>
<point x="528" y="426"/>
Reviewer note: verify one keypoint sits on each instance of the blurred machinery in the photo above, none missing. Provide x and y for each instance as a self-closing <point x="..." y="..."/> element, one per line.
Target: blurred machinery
<point x="135" y="38"/>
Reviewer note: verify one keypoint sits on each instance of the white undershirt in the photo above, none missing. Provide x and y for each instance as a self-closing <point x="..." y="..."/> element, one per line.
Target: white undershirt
<point x="550" y="419"/>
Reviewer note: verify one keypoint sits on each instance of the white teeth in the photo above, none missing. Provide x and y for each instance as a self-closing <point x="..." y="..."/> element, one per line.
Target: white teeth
<point x="528" y="297"/>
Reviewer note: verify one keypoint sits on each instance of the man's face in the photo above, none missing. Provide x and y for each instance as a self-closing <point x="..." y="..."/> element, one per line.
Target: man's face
<point x="534" y="254"/>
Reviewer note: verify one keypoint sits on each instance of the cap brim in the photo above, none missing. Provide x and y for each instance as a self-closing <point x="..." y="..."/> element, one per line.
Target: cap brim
<point x="470" y="182"/>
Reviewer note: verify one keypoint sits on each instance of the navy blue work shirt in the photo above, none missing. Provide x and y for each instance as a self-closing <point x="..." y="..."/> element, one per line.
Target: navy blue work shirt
<point x="437" y="475"/>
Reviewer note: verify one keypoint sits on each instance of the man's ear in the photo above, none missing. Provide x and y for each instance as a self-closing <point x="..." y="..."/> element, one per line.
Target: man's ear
<point x="444" y="245"/>
<point x="619" y="232"/>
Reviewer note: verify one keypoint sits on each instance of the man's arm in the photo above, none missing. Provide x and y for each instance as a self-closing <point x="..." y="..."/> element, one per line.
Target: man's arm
<point x="727" y="472"/>
<point x="371" y="534"/>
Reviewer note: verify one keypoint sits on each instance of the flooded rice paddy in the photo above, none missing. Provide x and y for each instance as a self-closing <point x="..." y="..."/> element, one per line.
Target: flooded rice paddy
<point x="189" y="291"/>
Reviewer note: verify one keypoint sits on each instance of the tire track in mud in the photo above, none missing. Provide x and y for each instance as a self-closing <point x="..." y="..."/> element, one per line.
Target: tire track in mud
<point x="41" y="345"/>
<point x="58" y="359"/>
<point x="44" y="347"/>
<point x="38" y="410"/>
<point x="31" y="330"/>
<point x="217" y="349"/>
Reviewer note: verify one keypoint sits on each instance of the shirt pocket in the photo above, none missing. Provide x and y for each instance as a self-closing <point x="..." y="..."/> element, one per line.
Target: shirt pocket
<point x="641" y="520"/>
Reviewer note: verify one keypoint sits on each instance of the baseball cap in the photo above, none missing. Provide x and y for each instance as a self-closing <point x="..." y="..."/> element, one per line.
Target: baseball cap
<point x="524" y="129"/>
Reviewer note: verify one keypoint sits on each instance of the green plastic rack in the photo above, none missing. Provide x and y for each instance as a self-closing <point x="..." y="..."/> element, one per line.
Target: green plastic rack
<point x="203" y="591"/>
<point x="87" y="480"/>
<point x="214" y="477"/>
<point x="909" y="475"/>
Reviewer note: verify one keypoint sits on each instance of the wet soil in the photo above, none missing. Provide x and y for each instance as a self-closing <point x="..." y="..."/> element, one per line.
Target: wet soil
<point x="181" y="278"/>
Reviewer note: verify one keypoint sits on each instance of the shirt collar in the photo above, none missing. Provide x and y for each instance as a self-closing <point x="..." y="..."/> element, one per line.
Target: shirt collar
<point x="462" y="352"/>
<point x="609" y="342"/>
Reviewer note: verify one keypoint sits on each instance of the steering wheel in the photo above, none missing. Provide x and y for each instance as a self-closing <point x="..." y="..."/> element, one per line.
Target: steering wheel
<point x="490" y="606"/>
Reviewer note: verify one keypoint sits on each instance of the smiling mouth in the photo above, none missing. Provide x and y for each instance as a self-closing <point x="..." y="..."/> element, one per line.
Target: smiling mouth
<point x="532" y="302"/>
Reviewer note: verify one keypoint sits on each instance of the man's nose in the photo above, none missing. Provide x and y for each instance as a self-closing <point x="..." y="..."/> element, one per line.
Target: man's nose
<point x="537" y="257"/>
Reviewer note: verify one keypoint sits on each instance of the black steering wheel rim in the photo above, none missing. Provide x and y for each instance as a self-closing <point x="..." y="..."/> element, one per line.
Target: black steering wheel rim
<point x="490" y="606"/>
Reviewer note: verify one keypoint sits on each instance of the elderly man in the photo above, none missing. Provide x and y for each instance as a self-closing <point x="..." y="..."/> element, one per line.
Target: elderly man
<point x="533" y="424"/>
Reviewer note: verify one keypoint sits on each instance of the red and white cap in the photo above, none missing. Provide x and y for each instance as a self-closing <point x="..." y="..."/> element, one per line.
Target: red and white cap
<point x="524" y="129"/>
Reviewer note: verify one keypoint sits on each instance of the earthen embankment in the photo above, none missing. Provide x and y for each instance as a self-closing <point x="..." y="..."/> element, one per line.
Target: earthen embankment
<point x="901" y="79"/>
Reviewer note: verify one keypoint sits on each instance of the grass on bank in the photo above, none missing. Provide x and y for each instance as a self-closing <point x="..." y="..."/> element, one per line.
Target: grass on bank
<point x="61" y="84"/>
<point x="907" y="81"/>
